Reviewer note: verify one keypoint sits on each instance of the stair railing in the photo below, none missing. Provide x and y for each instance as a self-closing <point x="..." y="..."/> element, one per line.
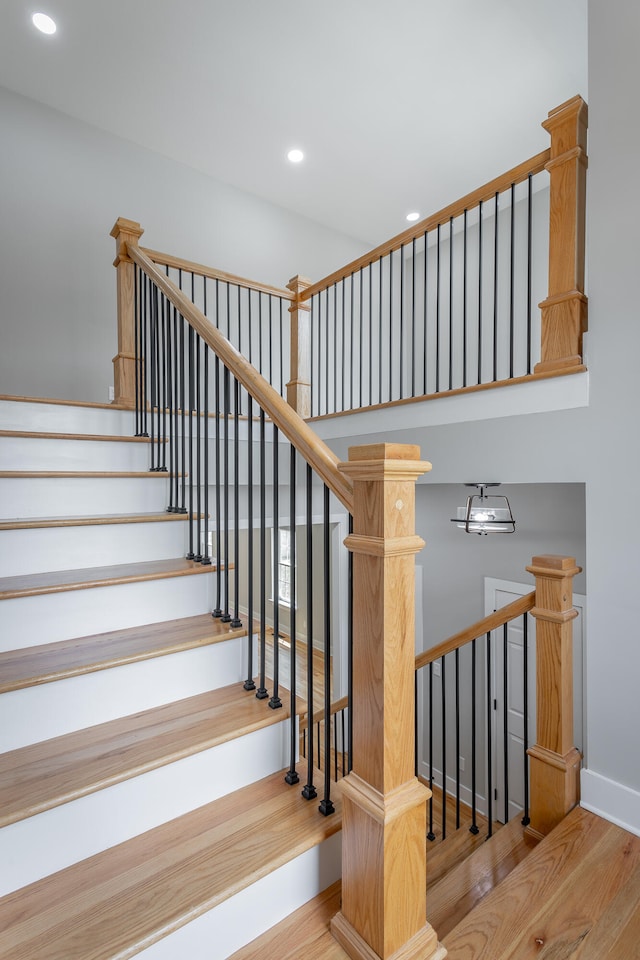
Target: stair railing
<point x="460" y="672"/>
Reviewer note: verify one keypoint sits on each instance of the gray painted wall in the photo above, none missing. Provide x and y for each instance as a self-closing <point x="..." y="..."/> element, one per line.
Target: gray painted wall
<point x="62" y="185"/>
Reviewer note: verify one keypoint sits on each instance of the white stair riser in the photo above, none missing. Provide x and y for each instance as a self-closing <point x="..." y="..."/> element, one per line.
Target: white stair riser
<point x="54" y="709"/>
<point x="41" y="549"/>
<point x="29" y="621"/>
<point x="24" y="497"/>
<point x="65" y="418"/>
<point x="50" y="841"/>
<point x="39" y="453"/>
<point x="240" y="919"/>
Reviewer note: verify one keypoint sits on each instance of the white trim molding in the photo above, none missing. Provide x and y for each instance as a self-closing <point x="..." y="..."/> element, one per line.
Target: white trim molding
<point x="610" y="800"/>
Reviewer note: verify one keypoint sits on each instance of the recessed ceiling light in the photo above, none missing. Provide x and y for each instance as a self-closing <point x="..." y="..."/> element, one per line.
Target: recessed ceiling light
<point x="295" y="156"/>
<point x="412" y="217"/>
<point x="44" y="23"/>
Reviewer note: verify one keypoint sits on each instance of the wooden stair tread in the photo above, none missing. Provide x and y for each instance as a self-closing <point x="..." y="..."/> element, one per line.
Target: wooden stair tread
<point x="47" y="662"/>
<point x="99" y="519"/>
<point x="554" y="903"/>
<point x="48" y="435"/>
<point x="456" y="893"/>
<point x="114" y="904"/>
<point x="47" y="774"/>
<point x="35" y="584"/>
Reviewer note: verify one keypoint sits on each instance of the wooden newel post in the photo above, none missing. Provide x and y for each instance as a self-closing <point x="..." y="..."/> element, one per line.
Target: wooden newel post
<point x="564" y="312"/>
<point x="125" y="232"/>
<point x="555" y="761"/>
<point x="384" y="806"/>
<point x="299" y="385"/>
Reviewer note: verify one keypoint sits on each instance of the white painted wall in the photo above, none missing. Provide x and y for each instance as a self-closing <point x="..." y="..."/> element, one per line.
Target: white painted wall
<point x="63" y="183"/>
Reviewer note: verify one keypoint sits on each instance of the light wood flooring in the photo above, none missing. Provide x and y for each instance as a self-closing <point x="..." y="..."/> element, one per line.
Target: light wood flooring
<point x="576" y="896"/>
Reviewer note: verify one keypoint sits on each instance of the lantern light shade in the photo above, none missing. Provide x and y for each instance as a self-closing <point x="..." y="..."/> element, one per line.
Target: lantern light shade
<point x="485" y="513"/>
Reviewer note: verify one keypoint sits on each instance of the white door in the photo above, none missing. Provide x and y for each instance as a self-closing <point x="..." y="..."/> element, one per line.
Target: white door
<point x="510" y="733"/>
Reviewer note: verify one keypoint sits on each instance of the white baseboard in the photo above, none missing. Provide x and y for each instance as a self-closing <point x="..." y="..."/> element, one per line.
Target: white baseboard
<point x="610" y="800"/>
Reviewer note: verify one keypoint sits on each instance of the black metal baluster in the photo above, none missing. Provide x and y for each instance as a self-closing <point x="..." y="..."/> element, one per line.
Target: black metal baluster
<point x="505" y="718"/>
<point x="281" y="352"/>
<point x="350" y="650"/>
<point x="343" y="346"/>
<point x="525" y="679"/>
<point x="335" y="348"/>
<point x="415" y="723"/>
<point x="495" y="292"/>
<point x="480" y="292"/>
<point x="390" y="324"/>
<point x="512" y="278"/>
<point x="443" y="665"/>
<point x="190" y="554"/>
<point x="326" y="804"/>
<point x="226" y="398"/>
<point x="169" y="360"/>
<point x="457" y="663"/>
<point x="343" y="731"/>
<point x="438" y="310"/>
<point x="162" y="424"/>
<point x="177" y="321"/>
<point x="236" y="621"/>
<point x="529" y="259"/>
<point x="275" y="700"/>
<point x="380" y="331"/>
<point x="413" y="317"/>
<point x="262" y="693"/>
<point x="474" y="825"/>
<point x="152" y="369"/>
<point x="136" y="334"/>
<point x="183" y="496"/>
<point x="198" y="479"/>
<point x="464" y="301"/>
<point x="401" y="336"/>
<point x="270" y="339"/>
<point x="217" y="610"/>
<point x="315" y="397"/>
<point x="309" y="791"/>
<point x="326" y="353"/>
<point x="260" y="332"/>
<point x="334" y="726"/>
<point x="489" y="741"/>
<point x="450" y="303"/>
<point x="431" y="835"/>
<point x="249" y="683"/>
<point x="351" y="318"/>
<point x="143" y="354"/>
<point x="291" y="776"/>
<point x="370" y="334"/>
<point x="206" y="559"/>
<point x="426" y="288"/>
<point x="361" y="345"/>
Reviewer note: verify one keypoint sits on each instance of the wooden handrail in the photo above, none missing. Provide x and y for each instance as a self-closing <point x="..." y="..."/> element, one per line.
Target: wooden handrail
<point x="168" y="260"/>
<point x="318" y="717"/>
<point x="303" y="438"/>
<point x="487" y="192"/>
<point x="496" y="619"/>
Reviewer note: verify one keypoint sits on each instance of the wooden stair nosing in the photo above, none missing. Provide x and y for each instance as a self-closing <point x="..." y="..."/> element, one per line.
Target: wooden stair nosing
<point x="60" y="581"/>
<point x="47" y="774"/>
<point x="118" y="902"/>
<point x="104" y="519"/>
<point x="51" y="435"/>
<point x="46" y="663"/>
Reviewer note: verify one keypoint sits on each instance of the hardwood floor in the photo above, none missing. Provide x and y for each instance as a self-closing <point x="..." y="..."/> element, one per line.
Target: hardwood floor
<point x="576" y="896"/>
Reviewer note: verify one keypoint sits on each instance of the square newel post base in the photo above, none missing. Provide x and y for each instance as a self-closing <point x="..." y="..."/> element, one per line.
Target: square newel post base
<point x="124" y="380"/>
<point x="423" y="946"/>
<point x="555" y="788"/>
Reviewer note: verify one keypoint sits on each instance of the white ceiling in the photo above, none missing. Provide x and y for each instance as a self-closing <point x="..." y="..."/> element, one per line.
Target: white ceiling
<point x="399" y="105"/>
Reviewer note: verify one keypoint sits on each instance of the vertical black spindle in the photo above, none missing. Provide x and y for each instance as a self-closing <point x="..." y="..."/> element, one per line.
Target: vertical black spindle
<point x="236" y="621"/>
<point x="177" y="320"/>
<point x="281" y="354"/>
<point x="143" y="355"/>
<point x="390" y="324"/>
<point x="480" y="292"/>
<point x="360" y="343"/>
<point x="443" y="705"/>
<point x="249" y="683"/>
<point x="326" y="351"/>
<point x="401" y="331"/>
<point x="457" y="760"/>
<point x="217" y="611"/>
<point x="380" y="331"/>
<point x="169" y="358"/>
<point x="162" y="430"/>
<point x="505" y="717"/>
<point x="270" y="339"/>
<point x="512" y="278"/>
<point x="275" y="700"/>
<point x="344" y="749"/>
<point x="226" y="402"/>
<point x="315" y="399"/>
<point x="424" y="307"/>
<point x="495" y="292"/>
<point x="291" y="776"/>
<point x="309" y="791"/>
<point x="343" y="348"/>
<point x="351" y="322"/>
<point x="464" y="300"/>
<point x="262" y="693"/>
<point x="198" y="477"/>
<point x="136" y="334"/>
<point x="431" y="835"/>
<point x="450" y="303"/>
<point x="438" y="310"/>
<point x="474" y="825"/>
<point x="326" y="804"/>
<point x="370" y="334"/>
<point x="190" y="554"/>
<point x="413" y="317"/>
<point x="206" y="559"/>
<point x="152" y="371"/>
<point x="335" y="348"/>
<point x="525" y="699"/>
<point x="350" y="649"/>
<point x="489" y="741"/>
<point x="529" y="258"/>
<point x="334" y="725"/>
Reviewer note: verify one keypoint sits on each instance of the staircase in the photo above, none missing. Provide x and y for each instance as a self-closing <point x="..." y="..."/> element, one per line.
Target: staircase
<point x="142" y="803"/>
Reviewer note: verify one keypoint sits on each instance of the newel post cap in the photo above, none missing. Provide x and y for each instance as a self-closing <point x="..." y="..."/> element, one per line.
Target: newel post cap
<point x="554" y="566"/>
<point x="123" y="232"/>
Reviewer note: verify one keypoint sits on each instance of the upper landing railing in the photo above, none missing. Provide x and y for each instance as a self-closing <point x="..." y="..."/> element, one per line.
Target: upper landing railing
<point x="448" y="306"/>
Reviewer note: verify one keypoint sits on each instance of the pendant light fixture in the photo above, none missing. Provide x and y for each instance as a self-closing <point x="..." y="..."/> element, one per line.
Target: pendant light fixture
<point x="485" y="513"/>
